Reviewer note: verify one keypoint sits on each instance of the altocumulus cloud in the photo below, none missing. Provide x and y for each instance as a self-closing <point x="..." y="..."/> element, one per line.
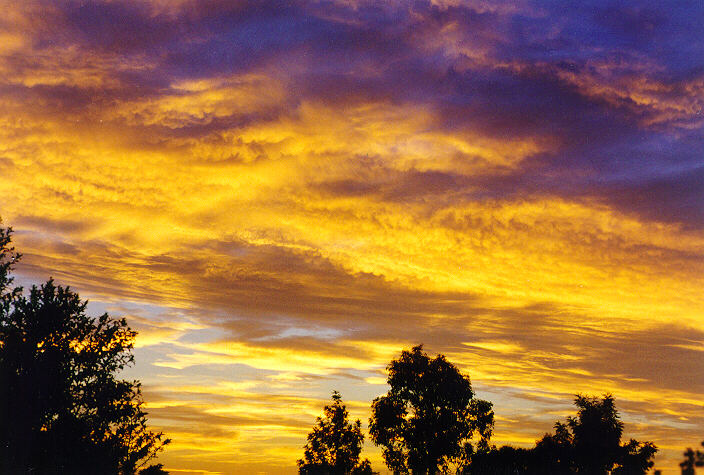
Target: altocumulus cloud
<point x="284" y="194"/>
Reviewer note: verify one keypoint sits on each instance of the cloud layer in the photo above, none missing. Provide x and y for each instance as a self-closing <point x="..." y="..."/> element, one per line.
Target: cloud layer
<point x="283" y="195"/>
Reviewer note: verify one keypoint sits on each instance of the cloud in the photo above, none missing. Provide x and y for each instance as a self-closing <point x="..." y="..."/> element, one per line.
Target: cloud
<point x="283" y="195"/>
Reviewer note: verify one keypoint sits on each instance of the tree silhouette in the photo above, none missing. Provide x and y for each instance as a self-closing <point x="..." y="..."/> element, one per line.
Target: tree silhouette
<point x="587" y="444"/>
<point x="591" y="443"/>
<point x="596" y="434"/>
<point x="334" y="445"/>
<point x="428" y="416"/>
<point x="8" y="258"/>
<point x="62" y="408"/>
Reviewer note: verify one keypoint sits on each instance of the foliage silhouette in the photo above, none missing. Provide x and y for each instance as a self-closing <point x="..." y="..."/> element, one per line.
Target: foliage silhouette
<point x="691" y="460"/>
<point x="505" y="460"/>
<point x="155" y="469"/>
<point x="427" y="418"/>
<point x="589" y="443"/>
<point x="334" y="445"/>
<point x="62" y="409"/>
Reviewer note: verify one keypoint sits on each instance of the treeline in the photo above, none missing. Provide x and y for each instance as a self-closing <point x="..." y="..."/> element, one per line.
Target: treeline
<point x="428" y="420"/>
<point x="429" y="423"/>
<point x="63" y="410"/>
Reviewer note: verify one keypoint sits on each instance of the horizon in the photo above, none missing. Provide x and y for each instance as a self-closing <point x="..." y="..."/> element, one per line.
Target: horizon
<point x="280" y="197"/>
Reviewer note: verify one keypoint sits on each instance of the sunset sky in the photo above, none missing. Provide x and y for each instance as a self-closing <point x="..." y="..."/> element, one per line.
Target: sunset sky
<point x="280" y="196"/>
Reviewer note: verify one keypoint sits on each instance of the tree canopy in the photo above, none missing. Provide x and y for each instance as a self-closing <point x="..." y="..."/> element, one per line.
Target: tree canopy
<point x="334" y="445"/>
<point x="429" y="414"/>
<point x="591" y="442"/>
<point x="588" y="443"/>
<point x="62" y="407"/>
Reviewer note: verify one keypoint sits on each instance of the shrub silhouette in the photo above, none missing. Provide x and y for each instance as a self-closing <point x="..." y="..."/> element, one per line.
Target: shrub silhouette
<point x="156" y="469"/>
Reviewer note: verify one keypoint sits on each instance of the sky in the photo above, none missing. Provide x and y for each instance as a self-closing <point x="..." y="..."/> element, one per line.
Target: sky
<point x="280" y="196"/>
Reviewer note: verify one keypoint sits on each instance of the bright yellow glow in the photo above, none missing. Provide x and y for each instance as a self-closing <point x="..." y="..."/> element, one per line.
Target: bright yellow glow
<point x="271" y="245"/>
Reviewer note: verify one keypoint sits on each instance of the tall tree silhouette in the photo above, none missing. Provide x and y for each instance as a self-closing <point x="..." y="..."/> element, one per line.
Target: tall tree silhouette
<point x="428" y="416"/>
<point x="62" y="408"/>
<point x="334" y="445"/>
<point x="8" y="258"/>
